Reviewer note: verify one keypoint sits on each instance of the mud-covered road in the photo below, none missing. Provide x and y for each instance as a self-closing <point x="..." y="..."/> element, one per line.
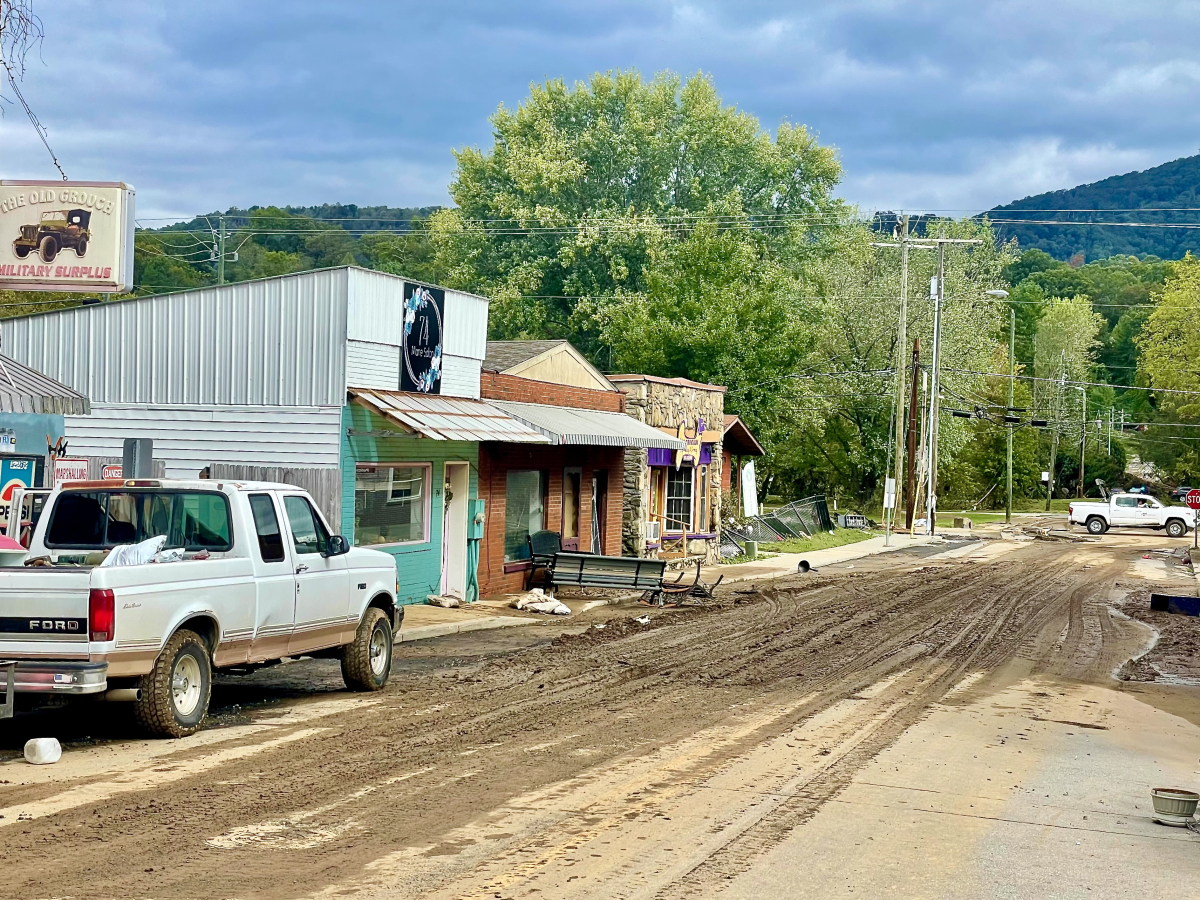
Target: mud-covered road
<point x="658" y="760"/>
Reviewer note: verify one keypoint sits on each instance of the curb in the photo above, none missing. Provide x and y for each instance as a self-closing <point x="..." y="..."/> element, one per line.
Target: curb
<point x="422" y="632"/>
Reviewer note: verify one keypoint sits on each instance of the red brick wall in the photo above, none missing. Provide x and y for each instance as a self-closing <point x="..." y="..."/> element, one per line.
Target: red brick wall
<point x="495" y="460"/>
<point x="497" y="386"/>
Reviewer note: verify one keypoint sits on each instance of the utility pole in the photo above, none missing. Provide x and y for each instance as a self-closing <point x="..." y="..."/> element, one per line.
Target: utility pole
<point x="901" y="346"/>
<point x="221" y="256"/>
<point x="910" y="495"/>
<point x="934" y="387"/>
<point x="1082" y="438"/>
<point x="901" y="233"/>
<point x="1110" y="418"/>
<point x="1012" y="349"/>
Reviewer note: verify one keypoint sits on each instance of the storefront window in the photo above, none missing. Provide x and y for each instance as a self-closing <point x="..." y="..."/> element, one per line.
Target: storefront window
<point x="679" y="499"/>
<point x="525" y="510"/>
<point x="391" y="504"/>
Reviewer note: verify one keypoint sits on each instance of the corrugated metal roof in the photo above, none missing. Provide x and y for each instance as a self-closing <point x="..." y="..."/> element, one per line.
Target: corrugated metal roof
<point x="448" y="418"/>
<point x="565" y="425"/>
<point x="25" y="390"/>
<point x="502" y="355"/>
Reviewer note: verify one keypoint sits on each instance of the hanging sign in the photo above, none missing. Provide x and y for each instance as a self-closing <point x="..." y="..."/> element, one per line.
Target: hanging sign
<point x="8" y="440"/>
<point x="421" y="343"/>
<point x="66" y="236"/>
<point x="692" y="439"/>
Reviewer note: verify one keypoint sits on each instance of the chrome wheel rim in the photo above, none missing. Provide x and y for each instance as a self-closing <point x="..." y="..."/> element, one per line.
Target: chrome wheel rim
<point x="185" y="685"/>
<point x="378" y="651"/>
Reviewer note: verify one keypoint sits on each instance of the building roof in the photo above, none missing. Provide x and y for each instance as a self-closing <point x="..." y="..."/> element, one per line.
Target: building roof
<point x="738" y="440"/>
<point x="590" y="427"/>
<point x="26" y="390"/>
<point x="503" y="355"/>
<point x="679" y="382"/>
<point x="447" y="418"/>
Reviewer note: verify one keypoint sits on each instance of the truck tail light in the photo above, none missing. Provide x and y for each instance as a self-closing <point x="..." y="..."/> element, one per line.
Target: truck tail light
<point x="102" y="614"/>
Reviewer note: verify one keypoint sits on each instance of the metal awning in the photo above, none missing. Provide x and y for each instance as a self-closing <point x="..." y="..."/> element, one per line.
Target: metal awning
<point x="447" y="418"/>
<point x="26" y="390"/>
<point x="566" y="425"/>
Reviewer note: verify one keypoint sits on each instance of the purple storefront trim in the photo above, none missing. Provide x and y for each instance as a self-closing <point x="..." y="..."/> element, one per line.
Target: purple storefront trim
<point x="660" y="456"/>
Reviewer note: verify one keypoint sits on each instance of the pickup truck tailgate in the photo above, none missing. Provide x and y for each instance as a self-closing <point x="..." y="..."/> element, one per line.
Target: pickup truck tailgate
<point x="44" y="613"/>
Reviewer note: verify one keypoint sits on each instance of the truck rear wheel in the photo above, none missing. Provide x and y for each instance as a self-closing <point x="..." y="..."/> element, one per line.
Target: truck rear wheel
<point x="1176" y="528"/>
<point x="1096" y="525"/>
<point x="367" y="660"/>
<point x="175" y="694"/>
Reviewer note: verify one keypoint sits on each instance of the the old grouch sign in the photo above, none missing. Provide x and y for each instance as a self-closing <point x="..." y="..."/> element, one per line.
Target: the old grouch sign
<point x="66" y="236"/>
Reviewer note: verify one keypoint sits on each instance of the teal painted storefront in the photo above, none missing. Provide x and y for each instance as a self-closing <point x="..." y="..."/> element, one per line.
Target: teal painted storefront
<point x="418" y="565"/>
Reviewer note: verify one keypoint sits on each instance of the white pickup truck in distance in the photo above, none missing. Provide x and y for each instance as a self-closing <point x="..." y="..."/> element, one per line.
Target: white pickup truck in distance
<point x="1131" y="511"/>
<point x="261" y="578"/>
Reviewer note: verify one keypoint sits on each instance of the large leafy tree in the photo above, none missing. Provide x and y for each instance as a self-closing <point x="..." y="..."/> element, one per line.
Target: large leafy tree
<point x="588" y="190"/>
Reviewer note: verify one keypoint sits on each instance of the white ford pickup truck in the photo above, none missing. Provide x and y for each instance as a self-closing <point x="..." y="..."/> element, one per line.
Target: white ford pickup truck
<point x="261" y="578"/>
<point x="1131" y="511"/>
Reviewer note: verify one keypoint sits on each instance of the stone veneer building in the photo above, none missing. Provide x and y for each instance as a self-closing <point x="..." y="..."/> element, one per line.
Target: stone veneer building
<point x="672" y="499"/>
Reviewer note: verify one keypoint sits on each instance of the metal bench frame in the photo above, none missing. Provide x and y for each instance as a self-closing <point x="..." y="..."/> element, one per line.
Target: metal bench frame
<point x="625" y="573"/>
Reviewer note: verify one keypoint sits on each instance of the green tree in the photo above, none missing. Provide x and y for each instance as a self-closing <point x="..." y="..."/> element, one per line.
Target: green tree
<point x="1169" y="341"/>
<point x="585" y="189"/>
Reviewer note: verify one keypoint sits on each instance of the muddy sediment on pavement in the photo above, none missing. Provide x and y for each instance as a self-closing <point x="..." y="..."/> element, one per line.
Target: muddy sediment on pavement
<point x="417" y="775"/>
<point x="1175" y="656"/>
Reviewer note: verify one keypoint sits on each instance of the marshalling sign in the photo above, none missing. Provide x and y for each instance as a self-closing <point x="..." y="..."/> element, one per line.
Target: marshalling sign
<point x="66" y="236"/>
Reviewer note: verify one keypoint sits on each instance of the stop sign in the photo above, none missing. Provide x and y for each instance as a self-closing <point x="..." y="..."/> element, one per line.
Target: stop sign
<point x="1193" y="498"/>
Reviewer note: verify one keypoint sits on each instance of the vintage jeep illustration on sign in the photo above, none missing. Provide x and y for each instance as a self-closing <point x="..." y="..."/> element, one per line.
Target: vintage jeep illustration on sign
<point x="57" y="230"/>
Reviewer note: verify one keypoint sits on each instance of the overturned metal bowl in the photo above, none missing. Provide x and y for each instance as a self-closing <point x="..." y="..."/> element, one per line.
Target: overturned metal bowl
<point x="1173" y="806"/>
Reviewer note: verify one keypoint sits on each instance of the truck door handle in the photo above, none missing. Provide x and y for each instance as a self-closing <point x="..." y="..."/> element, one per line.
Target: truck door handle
<point x="301" y="568"/>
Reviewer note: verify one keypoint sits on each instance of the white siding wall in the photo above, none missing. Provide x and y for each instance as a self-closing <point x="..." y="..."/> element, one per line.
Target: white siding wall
<point x="460" y="376"/>
<point x="188" y="438"/>
<point x="370" y="365"/>
<point x="273" y="342"/>
<point x="375" y="313"/>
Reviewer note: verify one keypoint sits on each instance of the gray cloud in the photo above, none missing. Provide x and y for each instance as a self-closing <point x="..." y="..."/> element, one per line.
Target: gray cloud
<point x="932" y="104"/>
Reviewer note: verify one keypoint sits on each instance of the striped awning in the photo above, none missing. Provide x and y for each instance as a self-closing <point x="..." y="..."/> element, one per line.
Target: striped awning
<point x="26" y="390"/>
<point x="447" y="418"/>
<point x="590" y="427"/>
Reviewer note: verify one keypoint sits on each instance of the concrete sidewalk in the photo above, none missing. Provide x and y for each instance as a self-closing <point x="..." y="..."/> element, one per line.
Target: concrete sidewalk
<point x="423" y="621"/>
<point x="786" y="563"/>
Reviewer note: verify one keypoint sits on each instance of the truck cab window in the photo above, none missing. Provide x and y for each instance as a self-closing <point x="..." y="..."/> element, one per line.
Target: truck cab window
<point x="266" y="523"/>
<point x="308" y="534"/>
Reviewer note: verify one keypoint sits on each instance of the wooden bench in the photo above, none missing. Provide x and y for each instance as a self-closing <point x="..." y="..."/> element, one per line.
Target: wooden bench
<point x="624" y="573"/>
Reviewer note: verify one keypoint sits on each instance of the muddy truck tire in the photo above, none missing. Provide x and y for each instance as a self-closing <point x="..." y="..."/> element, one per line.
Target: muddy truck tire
<point x="1096" y="525"/>
<point x="176" y="692"/>
<point x="367" y="660"/>
<point x="1176" y="528"/>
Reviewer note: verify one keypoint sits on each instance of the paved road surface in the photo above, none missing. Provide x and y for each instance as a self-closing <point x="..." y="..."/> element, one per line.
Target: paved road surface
<point x="777" y="744"/>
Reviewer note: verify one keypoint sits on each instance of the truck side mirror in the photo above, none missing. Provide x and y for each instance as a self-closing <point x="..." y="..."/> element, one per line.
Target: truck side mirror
<point x="337" y="546"/>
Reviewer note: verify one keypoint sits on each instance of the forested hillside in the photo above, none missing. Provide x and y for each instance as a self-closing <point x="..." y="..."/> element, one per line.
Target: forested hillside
<point x="1168" y="195"/>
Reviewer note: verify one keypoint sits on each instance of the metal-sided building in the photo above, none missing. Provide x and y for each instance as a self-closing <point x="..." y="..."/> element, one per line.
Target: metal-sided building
<point x="295" y="378"/>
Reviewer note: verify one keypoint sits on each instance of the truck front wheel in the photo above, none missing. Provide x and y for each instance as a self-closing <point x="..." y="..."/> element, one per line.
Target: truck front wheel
<point x="1096" y="525"/>
<point x="1176" y="528"/>
<point x="175" y="694"/>
<point x="367" y="660"/>
<point x="48" y="249"/>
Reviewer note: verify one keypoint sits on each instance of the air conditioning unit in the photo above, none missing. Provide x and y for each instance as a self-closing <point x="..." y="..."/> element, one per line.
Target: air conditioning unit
<point x="653" y="531"/>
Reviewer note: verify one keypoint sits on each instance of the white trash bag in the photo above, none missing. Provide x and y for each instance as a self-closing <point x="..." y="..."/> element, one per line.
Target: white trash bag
<point x="43" y="751"/>
<point x="134" y="554"/>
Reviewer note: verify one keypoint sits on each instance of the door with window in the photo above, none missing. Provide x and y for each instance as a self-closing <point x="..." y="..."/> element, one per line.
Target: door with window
<point x="322" y="582"/>
<point x="1124" y="511"/>
<point x="572" y="494"/>
<point x="275" y="581"/>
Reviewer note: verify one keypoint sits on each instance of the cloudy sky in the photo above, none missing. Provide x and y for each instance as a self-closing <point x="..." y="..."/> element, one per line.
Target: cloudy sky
<point x="932" y="104"/>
